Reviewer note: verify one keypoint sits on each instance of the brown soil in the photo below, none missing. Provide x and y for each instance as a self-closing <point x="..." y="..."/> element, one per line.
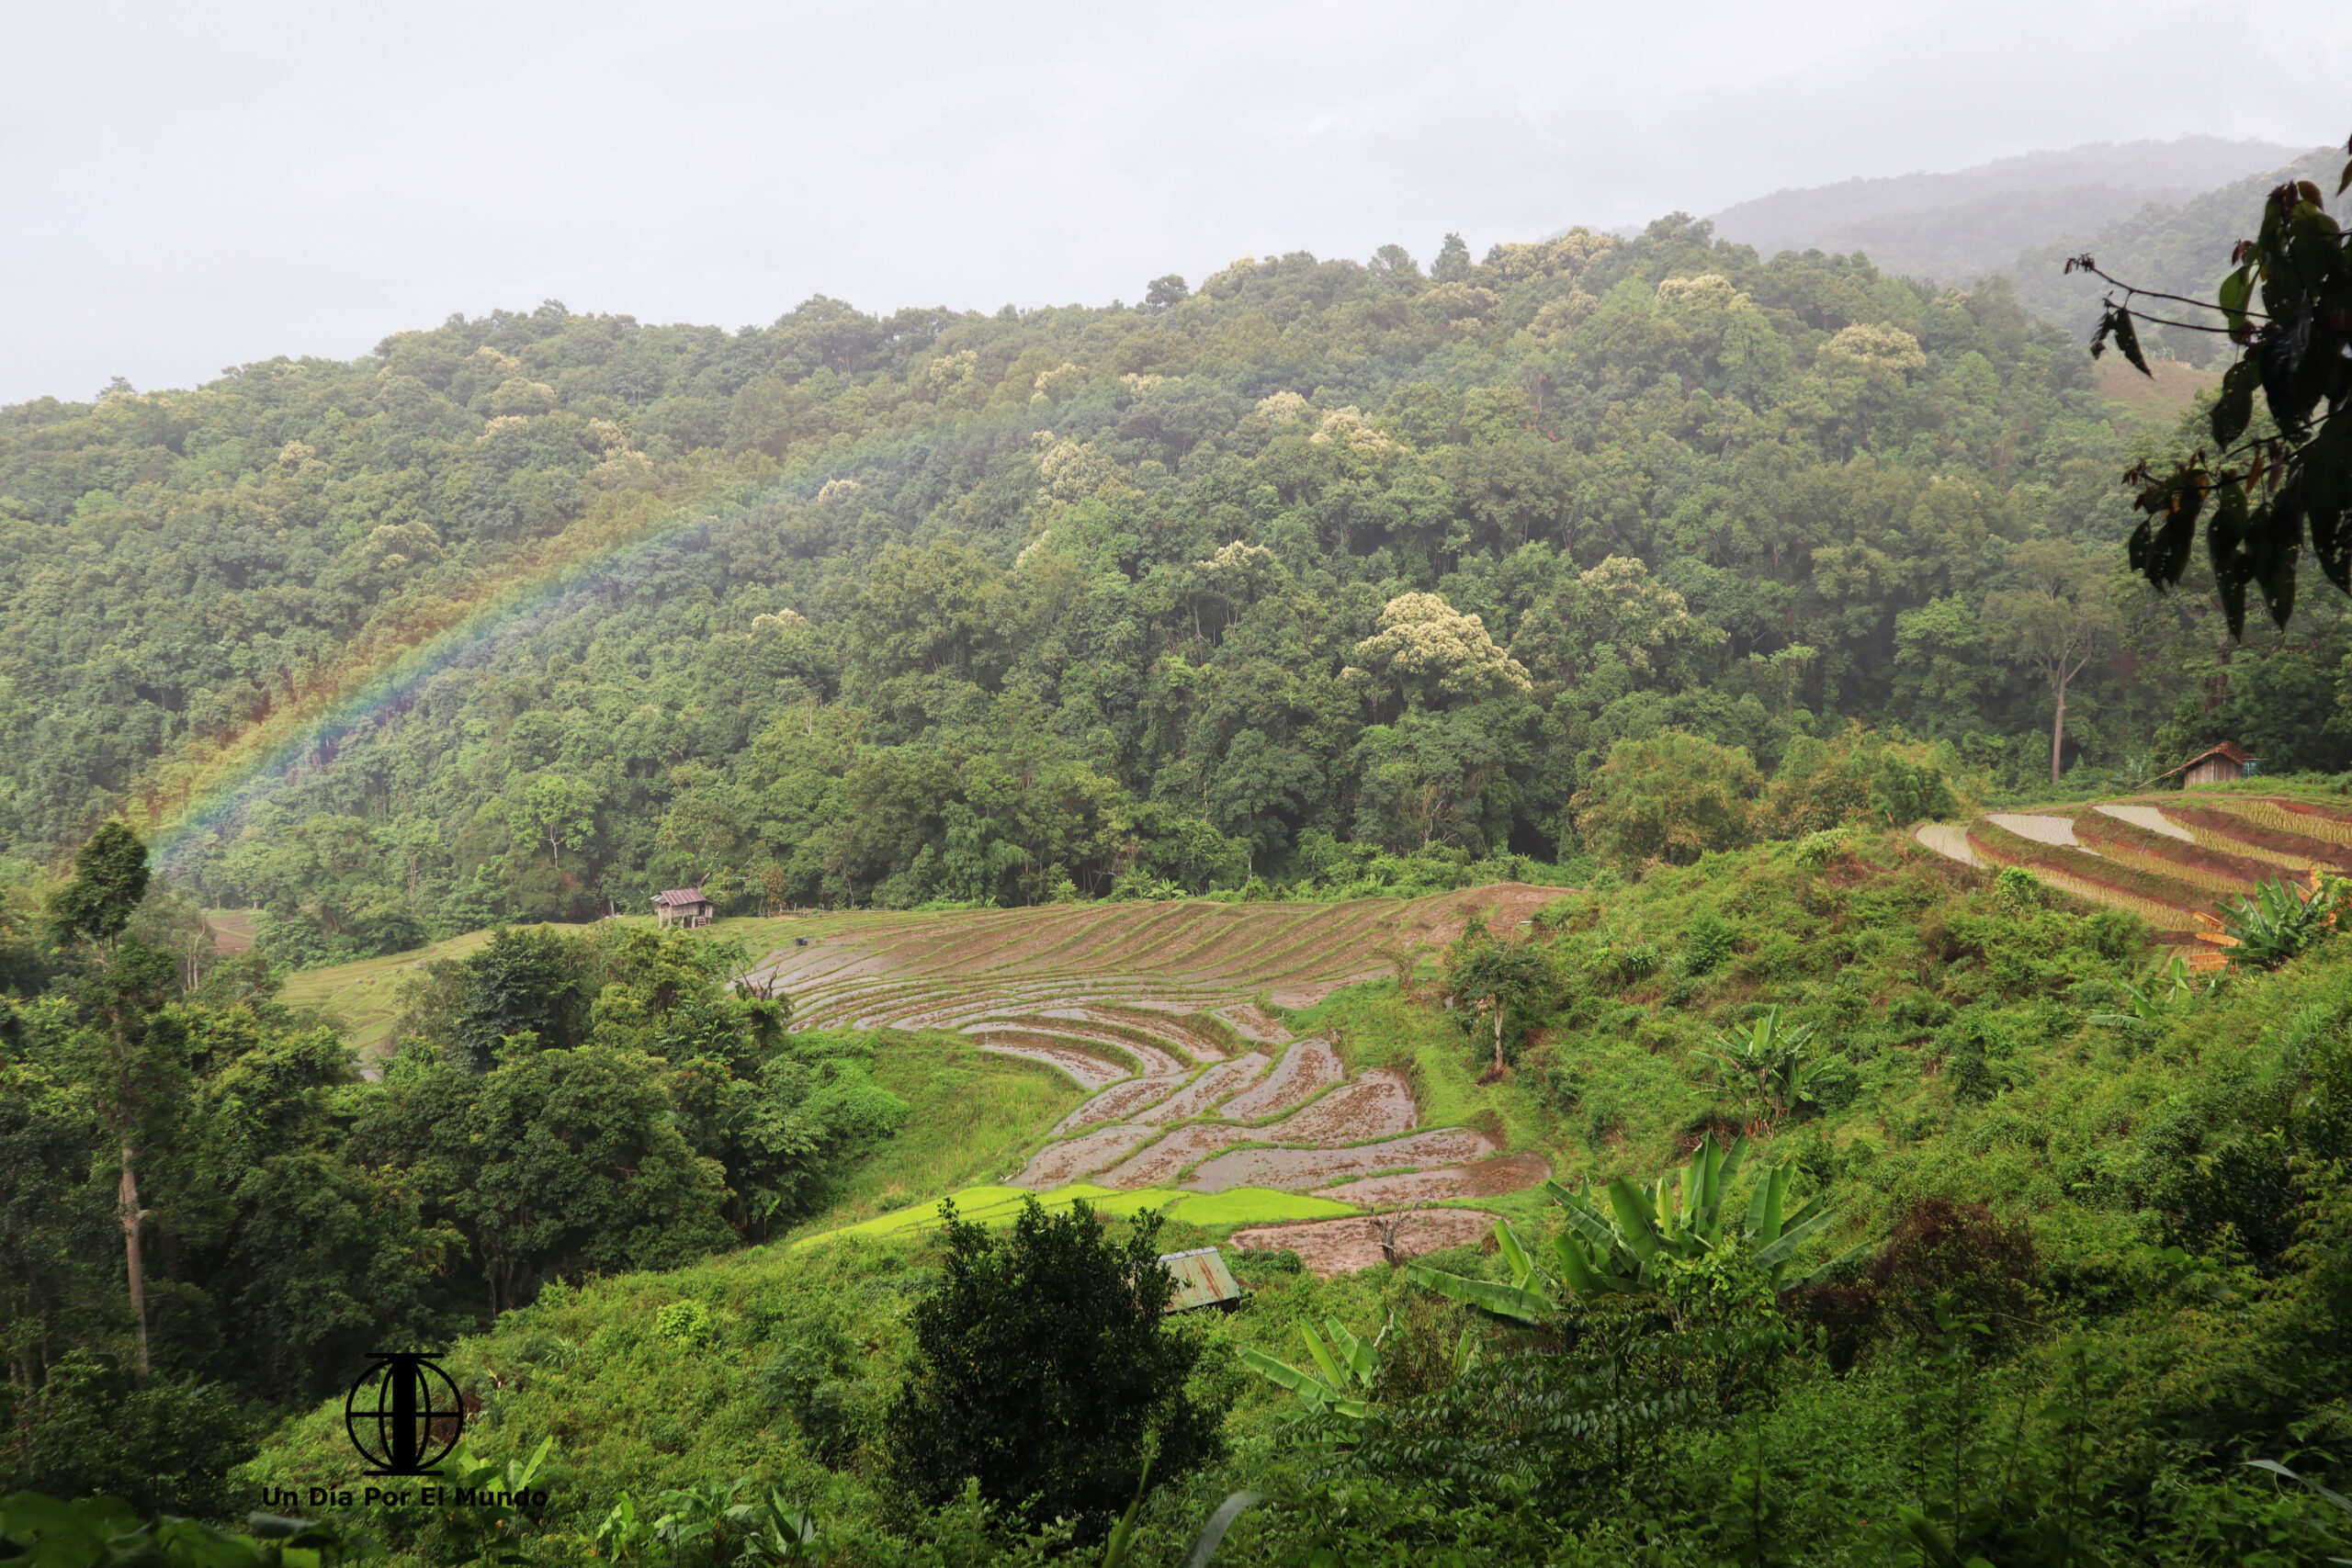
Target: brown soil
<point x="1375" y="1105"/>
<point x="1253" y="1022"/>
<point x="1091" y="1072"/>
<point x="1058" y="1165"/>
<point x="2108" y="834"/>
<point x="1307" y="996"/>
<point x="1297" y="1168"/>
<point x="1328" y="1247"/>
<point x="1199" y="955"/>
<point x="1045" y="1029"/>
<point x="1185" y="1038"/>
<point x="2260" y="842"/>
<point x="1483" y="1179"/>
<point x="1304" y="1069"/>
<point x="1161" y="1163"/>
<point x="234" y="931"/>
<point x="1196" y="1099"/>
<point x="1115" y="1104"/>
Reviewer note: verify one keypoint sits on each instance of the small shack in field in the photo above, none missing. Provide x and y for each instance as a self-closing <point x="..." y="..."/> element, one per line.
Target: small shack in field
<point x="1202" y="1280"/>
<point x="2219" y="765"/>
<point x="683" y="906"/>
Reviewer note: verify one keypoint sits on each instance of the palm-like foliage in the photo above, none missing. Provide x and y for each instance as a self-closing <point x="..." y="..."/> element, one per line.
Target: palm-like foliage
<point x="2281" y="919"/>
<point x="1631" y="1242"/>
<point x="1349" y="1368"/>
<point x="2154" y="1004"/>
<point x="1767" y="1066"/>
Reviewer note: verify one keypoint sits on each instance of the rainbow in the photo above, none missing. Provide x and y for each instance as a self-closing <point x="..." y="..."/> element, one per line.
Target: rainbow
<point x="185" y="801"/>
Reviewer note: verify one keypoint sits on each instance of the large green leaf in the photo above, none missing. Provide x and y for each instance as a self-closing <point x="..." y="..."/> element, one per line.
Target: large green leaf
<point x="1808" y="1223"/>
<point x="1285" y="1374"/>
<point x="1354" y="1351"/>
<point x="1635" y="1227"/>
<point x="1324" y="1358"/>
<point x="1487" y="1295"/>
<point x="1522" y="1267"/>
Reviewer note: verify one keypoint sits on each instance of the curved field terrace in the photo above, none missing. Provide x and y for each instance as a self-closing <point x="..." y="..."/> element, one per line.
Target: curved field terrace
<point x="1169" y="1013"/>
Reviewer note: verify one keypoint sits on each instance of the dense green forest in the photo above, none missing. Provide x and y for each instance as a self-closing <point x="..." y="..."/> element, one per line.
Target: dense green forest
<point x="1677" y="578"/>
<point x="2084" y="1230"/>
<point x="1323" y="571"/>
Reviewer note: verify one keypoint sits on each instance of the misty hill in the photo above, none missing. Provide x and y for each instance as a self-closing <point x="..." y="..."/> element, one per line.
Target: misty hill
<point x="2182" y="249"/>
<point x="1963" y="225"/>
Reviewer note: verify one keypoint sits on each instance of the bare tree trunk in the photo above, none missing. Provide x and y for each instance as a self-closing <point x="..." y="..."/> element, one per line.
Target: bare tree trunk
<point x="1499" y="1038"/>
<point x="2058" y="726"/>
<point x="133" y="1218"/>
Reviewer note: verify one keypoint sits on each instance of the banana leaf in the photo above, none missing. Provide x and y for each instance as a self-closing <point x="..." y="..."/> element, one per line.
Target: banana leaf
<point x="1487" y="1295"/>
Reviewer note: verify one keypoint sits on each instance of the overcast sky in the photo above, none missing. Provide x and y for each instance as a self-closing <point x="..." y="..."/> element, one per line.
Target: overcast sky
<point x="185" y="187"/>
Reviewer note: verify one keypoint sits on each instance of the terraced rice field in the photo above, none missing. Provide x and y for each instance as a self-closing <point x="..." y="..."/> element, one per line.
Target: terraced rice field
<point x="2176" y="858"/>
<point x="1169" y="1014"/>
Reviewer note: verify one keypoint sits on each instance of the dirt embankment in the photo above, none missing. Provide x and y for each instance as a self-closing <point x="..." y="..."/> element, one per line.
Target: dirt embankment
<point x="1481" y="1178"/>
<point x="1330" y="1247"/>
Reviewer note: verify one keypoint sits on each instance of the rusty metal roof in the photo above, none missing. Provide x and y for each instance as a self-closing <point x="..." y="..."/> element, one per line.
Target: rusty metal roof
<point x="1202" y="1279"/>
<point x="681" y="896"/>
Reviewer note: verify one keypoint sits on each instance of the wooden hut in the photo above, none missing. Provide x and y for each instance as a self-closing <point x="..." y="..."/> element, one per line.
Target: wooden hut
<point x="2219" y="765"/>
<point x="683" y="906"/>
<point x="1202" y="1280"/>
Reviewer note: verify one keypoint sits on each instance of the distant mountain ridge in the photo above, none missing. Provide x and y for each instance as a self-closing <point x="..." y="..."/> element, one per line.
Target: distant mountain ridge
<point x="2161" y="214"/>
<point x="2182" y="249"/>
<point x="1957" y="226"/>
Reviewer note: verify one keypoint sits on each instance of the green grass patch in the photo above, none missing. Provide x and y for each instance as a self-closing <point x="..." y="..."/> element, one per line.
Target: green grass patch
<point x="974" y="1119"/>
<point x="994" y="1205"/>
<point x="1257" y="1206"/>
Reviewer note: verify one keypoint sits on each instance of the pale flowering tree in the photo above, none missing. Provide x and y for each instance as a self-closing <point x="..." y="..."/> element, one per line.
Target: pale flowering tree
<point x="1426" y="650"/>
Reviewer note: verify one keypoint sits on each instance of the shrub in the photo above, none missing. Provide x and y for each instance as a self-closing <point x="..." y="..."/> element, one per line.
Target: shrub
<point x="1670" y="800"/>
<point x="1045" y="1368"/>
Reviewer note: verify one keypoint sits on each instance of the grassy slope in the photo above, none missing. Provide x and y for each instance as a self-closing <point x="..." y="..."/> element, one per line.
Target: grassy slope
<point x="975" y="1118"/>
<point x="2054" y="1127"/>
<point x="1909" y="964"/>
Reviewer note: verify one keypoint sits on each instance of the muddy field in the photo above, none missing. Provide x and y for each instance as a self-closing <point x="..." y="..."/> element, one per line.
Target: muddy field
<point x="1482" y="1179"/>
<point x="1202" y="1095"/>
<point x="1306" y="1069"/>
<point x="1374" y="1106"/>
<point x="1330" y="1247"/>
<point x="1297" y="1169"/>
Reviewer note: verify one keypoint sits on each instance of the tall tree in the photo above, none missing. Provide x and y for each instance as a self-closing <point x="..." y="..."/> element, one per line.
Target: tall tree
<point x="135" y="1065"/>
<point x="109" y="879"/>
<point x="2056" y="624"/>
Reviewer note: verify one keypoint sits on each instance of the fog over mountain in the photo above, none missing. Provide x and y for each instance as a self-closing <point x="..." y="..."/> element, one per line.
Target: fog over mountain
<point x="1961" y="225"/>
<point x="193" y="189"/>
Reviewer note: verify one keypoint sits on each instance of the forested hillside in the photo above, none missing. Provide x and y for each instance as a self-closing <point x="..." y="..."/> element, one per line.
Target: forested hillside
<point x="2180" y="248"/>
<point x="1320" y="563"/>
<point x="1971" y="223"/>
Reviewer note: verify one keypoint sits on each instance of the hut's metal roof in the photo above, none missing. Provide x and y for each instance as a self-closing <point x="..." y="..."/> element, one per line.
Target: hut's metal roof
<point x="675" y="896"/>
<point x="1202" y="1279"/>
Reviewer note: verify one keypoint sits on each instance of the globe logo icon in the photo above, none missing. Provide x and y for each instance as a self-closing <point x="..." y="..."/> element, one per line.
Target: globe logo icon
<point x="404" y="1413"/>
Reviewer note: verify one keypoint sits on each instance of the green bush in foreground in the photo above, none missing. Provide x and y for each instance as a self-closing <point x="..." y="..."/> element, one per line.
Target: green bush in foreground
<point x="1045" y="1369"/>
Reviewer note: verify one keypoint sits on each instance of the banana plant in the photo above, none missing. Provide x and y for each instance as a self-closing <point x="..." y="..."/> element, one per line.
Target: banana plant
<point x="1349" y="1365"/>
<point x="2282" y="919"/>
<point x="1768" y="1066"/>
<point x="2155" y="1003"/>
<point x="1349" y="1368"/>
<point x="1629" y="1243"/>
